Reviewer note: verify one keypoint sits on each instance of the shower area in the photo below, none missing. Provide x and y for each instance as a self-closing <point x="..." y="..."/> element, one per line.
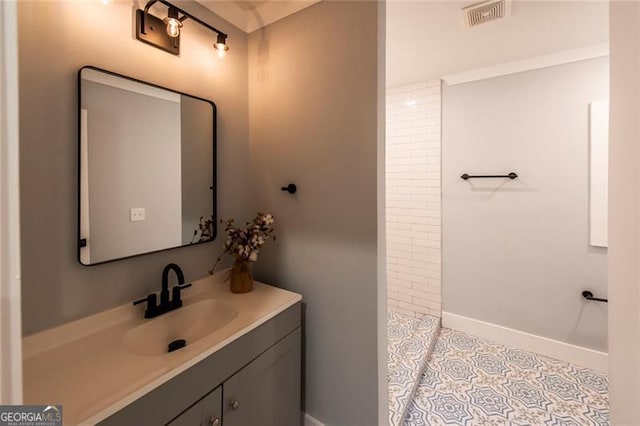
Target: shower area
<point x="496" y="211"/>
<point x="413" y="198"/>
<point x="414" y="230"/>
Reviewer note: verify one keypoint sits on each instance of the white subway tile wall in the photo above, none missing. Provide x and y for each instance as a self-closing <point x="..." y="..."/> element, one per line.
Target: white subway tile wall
<point x="414" y="231"/>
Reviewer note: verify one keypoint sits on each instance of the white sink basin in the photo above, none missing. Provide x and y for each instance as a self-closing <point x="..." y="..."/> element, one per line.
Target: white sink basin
<point x="191" y="323"/>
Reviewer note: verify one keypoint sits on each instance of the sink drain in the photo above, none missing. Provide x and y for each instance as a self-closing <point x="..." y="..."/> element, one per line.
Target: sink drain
<point x="176" y="344"/>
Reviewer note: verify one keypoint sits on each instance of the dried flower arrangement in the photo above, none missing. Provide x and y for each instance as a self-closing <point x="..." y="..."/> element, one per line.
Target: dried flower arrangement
<point x="205" y="228"/>
<point x="245" y="244"/>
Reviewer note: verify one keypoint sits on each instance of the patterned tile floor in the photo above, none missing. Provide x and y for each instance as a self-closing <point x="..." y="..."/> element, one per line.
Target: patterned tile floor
<point x="410" y="340"/>
<point x="470" y="381"/>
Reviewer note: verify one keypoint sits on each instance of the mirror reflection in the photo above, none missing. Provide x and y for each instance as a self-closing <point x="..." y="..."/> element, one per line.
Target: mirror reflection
<point x="147" y="161"/>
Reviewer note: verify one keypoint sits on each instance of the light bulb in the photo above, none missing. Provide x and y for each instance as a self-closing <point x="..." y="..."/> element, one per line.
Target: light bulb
<point x="173" y="27"/>
<point x="221" y="45"/>
<point x="173" y="23"/>
<point x="222" y="52"/>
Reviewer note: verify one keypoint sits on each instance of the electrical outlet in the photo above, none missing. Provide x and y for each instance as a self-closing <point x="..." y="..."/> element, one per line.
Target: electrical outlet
<point x="137" y="215"/>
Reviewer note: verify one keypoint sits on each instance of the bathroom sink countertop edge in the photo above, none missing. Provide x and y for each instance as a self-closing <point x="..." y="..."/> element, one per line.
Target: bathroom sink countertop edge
<point x="85" y="365"/>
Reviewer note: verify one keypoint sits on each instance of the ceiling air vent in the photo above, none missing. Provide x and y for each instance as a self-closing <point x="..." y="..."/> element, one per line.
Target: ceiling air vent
<point x="486" y="11"/>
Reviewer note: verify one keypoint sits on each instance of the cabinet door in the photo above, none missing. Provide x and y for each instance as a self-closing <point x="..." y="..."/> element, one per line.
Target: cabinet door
<point x="212" y="408"/>
<point x="267" y="391"/>
<point x="206" y="412"/>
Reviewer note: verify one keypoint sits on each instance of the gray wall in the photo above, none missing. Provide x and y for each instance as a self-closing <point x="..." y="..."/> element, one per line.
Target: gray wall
<point x="517" y="253"/>
<point x="131" y="166"/>
<point x="55" y="287"/>
<point x="197" y="154"/>
<point x="313" y="84"/>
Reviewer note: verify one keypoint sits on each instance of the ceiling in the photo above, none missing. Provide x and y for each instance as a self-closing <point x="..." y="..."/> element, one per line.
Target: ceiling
<point x="428" y="39"/>
<point x="252" y="15"/>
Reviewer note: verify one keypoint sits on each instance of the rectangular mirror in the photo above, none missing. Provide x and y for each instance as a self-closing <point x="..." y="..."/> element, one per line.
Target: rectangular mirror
<point x="599" y="173"/>
<point x="147" y="168"/>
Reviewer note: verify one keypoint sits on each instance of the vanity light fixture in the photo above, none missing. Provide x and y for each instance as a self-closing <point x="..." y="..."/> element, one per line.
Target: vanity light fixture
<point x="165" y="33"/>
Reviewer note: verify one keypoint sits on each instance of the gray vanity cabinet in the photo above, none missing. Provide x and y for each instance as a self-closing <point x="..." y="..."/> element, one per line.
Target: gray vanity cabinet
<point x="207" y="412"/>
<point x="253" y="381"/>
<point x="267" y="391"/>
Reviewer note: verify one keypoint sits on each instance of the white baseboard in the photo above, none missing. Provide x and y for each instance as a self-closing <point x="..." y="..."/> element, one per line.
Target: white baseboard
<point x="310" y="421"/>
<point x="507" y="336"/>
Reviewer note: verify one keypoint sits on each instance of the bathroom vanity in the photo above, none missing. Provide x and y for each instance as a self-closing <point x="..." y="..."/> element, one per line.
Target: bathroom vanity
<point x="203" y="356"/>
<point x="241" y="364"/>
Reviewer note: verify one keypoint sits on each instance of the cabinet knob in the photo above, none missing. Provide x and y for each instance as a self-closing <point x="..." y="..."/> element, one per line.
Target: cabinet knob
<point x="235" y="404"/>
<point x="214" y="421"/>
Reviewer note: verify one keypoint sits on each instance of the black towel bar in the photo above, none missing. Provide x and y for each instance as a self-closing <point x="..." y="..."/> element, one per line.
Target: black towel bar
<point x="511" y="176"/>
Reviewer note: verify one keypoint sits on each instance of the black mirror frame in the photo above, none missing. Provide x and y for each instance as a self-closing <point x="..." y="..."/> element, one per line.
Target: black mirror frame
<point x="214" y="233"/>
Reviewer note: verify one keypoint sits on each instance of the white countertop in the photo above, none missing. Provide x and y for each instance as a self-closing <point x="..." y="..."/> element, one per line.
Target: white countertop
<point x="85" y="366"/>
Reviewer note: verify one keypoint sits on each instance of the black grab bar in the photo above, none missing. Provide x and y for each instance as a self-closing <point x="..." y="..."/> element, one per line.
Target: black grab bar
<point x="589" y="296"/>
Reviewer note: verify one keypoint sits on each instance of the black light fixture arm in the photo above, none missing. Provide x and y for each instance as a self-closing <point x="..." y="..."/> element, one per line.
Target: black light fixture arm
<point x="185" y="15"/>
<point x="146" y="12"/>
<point x="149" y="4"/>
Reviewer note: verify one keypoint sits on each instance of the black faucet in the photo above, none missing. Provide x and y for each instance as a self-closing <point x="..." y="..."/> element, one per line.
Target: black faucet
<point x="166" y="304"/>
